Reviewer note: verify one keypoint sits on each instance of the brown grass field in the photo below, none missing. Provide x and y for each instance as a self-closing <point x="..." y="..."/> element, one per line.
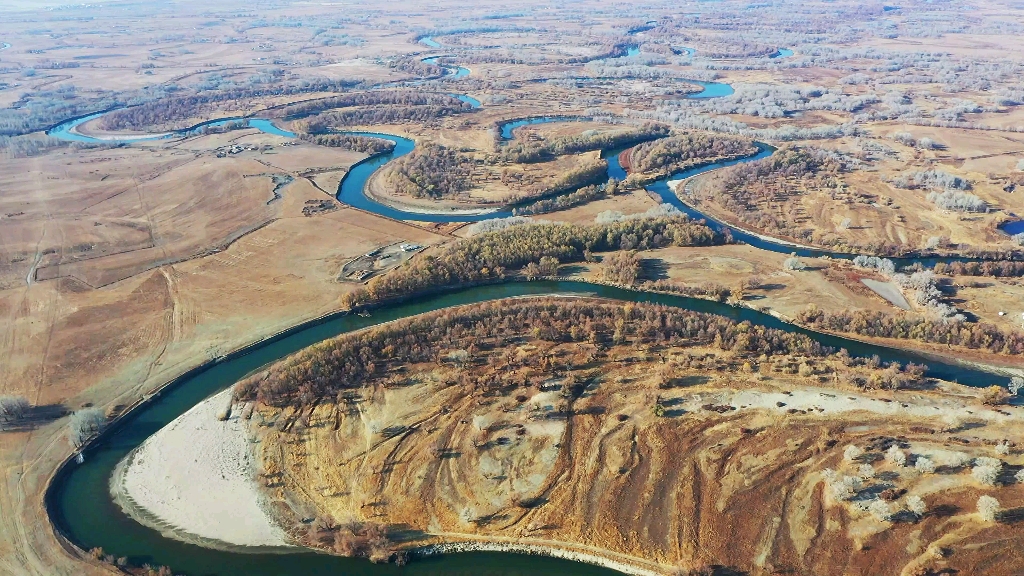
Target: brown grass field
<point x="123" y="266"/>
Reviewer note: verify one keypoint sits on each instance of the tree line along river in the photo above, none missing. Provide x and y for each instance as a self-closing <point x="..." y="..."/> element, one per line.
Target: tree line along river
<point x="81" y="507"/>
<point x="79" y="500"/>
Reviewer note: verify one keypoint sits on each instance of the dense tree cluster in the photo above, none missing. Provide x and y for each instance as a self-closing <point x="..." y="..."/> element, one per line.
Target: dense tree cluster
<point x="979" y="336"/>
<point x="168" y="113"/>
<point x="382" y="114"/>
<point x="373" y="98"/>
<point x="581" y="196"/>
<point x="430" y="171"/>
<point x="998" y="269"/>
<point x="42" y="109"/>
<point x="958" y="201"/>
<point x="364" y="144"/>
<point x="685" y="150"/>
<point x="621" y="267"/>
<point x="734" y="49"/>
<point x="525" y="151"/>
<point x="706" y="290"/>
<point x="326" y="370"/>
<point x="759" y="193"/>
<point x="591" y="172"/>
<point x="486" y="256"/>
<point x="415" y="66"/>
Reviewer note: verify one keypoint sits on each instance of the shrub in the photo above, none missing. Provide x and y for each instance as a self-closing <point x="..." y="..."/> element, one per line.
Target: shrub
<point x="896" y="456"/>
<point x="988" y="508"/>
<point x="916" y="505"/>
<point x="793" y="263"/>
<point x="924" y="465"/>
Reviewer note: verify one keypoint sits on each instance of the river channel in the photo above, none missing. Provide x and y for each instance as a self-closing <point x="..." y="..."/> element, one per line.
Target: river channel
<point x="79" y="500"/>
<point x="81" y="506"/>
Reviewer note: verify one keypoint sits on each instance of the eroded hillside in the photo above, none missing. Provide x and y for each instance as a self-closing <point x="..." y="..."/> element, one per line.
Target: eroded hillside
<point x="647" y="435"/>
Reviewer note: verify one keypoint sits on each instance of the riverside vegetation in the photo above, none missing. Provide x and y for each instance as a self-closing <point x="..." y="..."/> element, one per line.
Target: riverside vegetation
<point x="499" y="411"/>
<point x="487" y="256"/>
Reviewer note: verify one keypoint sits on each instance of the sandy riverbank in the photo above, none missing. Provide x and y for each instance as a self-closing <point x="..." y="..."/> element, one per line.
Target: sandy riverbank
<point x="195" y="480"/>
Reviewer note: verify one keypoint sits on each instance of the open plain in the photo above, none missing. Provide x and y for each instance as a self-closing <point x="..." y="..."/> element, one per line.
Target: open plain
<point x="182" y="180"/>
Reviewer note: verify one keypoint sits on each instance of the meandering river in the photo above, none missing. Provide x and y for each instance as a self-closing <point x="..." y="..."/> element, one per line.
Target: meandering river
<point x="79" y="499"/>
<point x="80" y="503"/>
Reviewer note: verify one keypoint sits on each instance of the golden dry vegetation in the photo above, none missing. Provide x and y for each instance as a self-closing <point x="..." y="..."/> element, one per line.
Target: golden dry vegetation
<point x="656" y="455"/>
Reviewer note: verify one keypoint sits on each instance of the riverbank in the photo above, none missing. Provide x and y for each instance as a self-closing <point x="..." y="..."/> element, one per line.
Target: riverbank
<point x="376" y="191"/>
<point x="536" y="547"/>
<point x="674" y="185"/>
<point x="195" y="480"/>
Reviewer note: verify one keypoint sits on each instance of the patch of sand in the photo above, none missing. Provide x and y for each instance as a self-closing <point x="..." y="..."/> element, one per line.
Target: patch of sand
<point x="889" y="291"/>
<point x="195" y="480"/>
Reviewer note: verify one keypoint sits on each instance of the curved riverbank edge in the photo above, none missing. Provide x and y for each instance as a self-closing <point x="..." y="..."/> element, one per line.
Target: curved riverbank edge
<point x="397" y="204"/>
<point x="673" y="185"/>
<point x="563" y="550"/>
<point x="195" y="480"/>
<point x="56" y="481"/>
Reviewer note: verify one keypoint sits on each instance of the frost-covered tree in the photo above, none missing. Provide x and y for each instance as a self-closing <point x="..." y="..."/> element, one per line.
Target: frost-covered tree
<point x="924" y="465"/>
<point x="957" y="201"/>
<point x="793" y="263"/>
<point x="852" y="453"/>
<point x="1017" y="382"/>
<point x="957" y="460"/>
<point x="986" y="470"/>
<point x="1003" y="448"/>
<point x="883" y="265"/>
<point x="916" y="505"/>
<point x="846" y="487"/>
<point x="905" y="138"/>
<point x="896" y="456"/>
<point x="866" y="471"/>
<point x="988" y="508"/>
<point x="83" y="424"/>
<point x="881" y="510"/>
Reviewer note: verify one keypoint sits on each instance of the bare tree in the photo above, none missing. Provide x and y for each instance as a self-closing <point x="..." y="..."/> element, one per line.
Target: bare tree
<point x="13" y="408"/>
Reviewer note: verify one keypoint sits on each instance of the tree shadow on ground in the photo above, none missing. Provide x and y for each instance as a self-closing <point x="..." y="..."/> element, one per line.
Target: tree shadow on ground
<point x="653" y="269"/>
<point x="35" y="417"/>
<point x="1012" y="516"/>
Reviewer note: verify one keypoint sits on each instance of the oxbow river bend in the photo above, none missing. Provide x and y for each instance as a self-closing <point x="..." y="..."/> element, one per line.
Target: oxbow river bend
<point x="81" y="506"/>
